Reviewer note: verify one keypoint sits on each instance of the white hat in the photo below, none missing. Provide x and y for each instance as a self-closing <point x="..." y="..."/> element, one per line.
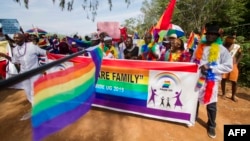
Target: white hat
<point x="94" y="36"/>
<point x="172" y="35"/>
<point x="107" y="38"/>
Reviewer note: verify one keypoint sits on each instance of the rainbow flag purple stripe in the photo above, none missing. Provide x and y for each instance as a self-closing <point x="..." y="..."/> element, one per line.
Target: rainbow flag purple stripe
<point x="64" y="96"/>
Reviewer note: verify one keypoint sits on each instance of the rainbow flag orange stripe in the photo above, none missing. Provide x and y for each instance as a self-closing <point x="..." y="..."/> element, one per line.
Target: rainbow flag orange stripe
<point x="193" y="39"/>
<point x="165" y="19"/>
<point x="62" y="97"/>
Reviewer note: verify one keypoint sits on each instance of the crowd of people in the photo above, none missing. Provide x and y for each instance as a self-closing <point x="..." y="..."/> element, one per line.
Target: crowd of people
<point x="215" y="57"/>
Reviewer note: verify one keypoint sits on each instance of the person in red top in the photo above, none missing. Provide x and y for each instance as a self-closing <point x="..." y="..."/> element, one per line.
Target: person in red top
<point x="2" y="62"/>
<point x="74" y="48"/>
<point x="63" y="47"/>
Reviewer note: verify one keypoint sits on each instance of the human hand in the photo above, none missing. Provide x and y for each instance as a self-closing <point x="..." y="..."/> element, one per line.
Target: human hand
<point x="150" y="50"/>
<point x="2" y="54"/>
<point x="139" y="57"/>
<point x="5" y="56"/>
<point x="204" y="69"/>
<point x="129" y="55"/>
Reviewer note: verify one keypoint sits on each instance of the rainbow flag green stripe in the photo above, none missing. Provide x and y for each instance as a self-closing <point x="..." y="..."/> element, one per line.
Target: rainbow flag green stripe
<point x="64" y="96"/>
<point x="64" y="92"/>
<point x="124" y="89"/>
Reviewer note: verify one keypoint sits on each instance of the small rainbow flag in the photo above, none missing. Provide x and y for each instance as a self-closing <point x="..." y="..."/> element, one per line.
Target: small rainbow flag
<point x="64" y="96"/>
<point x="200" y="82"/>
<point x="166" y="84"/>
<point x="193" y="41"/>
<point x="203" y="34"/>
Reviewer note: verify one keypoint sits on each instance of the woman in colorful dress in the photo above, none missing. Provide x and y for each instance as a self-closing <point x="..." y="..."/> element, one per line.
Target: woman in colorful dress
<point x="177" y="52"/>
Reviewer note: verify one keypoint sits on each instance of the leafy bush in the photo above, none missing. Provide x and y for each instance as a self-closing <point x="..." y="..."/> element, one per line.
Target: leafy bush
<point x="240" y="39"/>
<point x="244" y="66"/>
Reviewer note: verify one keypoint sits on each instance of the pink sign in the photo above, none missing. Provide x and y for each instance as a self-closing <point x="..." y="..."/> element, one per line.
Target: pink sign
<point x="112" y="28"/>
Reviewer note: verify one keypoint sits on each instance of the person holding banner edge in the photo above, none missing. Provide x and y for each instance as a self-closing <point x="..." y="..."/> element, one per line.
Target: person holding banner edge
<point x="213" y="60"/>
<point x="25" y="55"/>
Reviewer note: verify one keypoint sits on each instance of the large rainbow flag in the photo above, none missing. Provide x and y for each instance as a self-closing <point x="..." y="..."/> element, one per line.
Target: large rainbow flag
<point x="163" y="23"/>
<point x="63" y="96"/>
<point x="165" y="19"/>
<point x="156" y="89"/>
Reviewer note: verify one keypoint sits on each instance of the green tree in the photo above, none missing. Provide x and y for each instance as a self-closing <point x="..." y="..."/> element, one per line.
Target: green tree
<point x="193" y="14"/>
<point x="152" y="11"/>
<point x="135" y="25"/>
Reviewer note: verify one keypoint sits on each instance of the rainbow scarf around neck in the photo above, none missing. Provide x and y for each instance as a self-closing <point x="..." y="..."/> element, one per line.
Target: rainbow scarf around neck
<point x="209" y="78"/>
<point x="145" y="51"/>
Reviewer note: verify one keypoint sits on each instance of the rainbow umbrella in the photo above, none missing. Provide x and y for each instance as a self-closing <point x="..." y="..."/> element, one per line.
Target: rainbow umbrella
<point x="172" y="28"/>
<point x="162" y="34"/>
<point x="37" y="31"/>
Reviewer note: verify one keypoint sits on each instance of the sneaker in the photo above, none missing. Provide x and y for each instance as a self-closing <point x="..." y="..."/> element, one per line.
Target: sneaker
<point x="26" y="116"/>
<point x="211" y="132"/>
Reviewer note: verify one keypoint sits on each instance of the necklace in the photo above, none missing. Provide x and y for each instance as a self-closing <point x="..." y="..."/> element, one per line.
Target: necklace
<point x="209" y="79"/>
<point x="19" y="48"/>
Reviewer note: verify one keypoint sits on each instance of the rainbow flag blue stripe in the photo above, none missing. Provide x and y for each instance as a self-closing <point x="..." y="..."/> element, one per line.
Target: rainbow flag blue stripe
<point x="64" y="96"/>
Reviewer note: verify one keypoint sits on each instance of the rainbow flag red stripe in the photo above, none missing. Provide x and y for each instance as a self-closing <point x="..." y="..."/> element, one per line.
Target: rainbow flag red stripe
<point x="165" y="19"/>
<point x="62" y="97"/>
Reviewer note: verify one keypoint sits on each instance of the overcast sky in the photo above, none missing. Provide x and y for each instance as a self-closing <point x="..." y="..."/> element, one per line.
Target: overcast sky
<point x="48" y="16"/>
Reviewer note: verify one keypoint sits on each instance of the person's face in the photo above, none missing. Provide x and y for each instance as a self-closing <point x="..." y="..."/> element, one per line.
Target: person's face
<point x="19" y="39"/>
<point x="94" y="42"/>
<point x="148" y="38"/>
<point x="211" y="37"/>
<point x="227" y="44"/>
<point x="101" y="36"/>
<point x="167" y="45"/>
<point x="108" y="43"/>
<point x="172" y="41"/>
<point x="129" y="43"/>
<point x="55" y="36"/>
<point x="32" y="37"/>
<point x="176" y="44"/>
<point x="165" y="42"/>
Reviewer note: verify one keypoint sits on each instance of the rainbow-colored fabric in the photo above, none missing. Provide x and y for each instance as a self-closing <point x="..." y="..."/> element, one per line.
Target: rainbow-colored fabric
<point x="63" y="96"/>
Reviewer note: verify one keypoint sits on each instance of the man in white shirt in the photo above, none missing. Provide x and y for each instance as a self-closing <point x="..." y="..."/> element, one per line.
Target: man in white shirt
<point x="25" y="56"/>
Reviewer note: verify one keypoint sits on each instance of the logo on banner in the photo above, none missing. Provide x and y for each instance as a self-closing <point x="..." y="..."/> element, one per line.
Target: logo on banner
<point x="168" y="80"/>
<point x="166" y="85"/>
<point x="164" y="91"/>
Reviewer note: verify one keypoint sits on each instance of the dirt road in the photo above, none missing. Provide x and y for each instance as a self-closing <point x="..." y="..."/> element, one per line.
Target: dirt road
<point x="105" y="125"/>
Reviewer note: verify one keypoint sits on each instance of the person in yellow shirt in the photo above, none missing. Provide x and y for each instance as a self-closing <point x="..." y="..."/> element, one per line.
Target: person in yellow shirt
<point x="109" y="49"/>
